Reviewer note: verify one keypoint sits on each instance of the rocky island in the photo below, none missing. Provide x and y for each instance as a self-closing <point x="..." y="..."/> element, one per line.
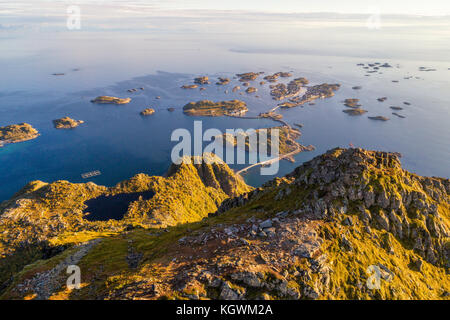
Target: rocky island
<point x="223" y="81"/>
<point x="214" y="109"/>
<point x="379" y="118"/>
<point x="355" y="111"/>
<point x="322" y="91"/>
<point x="110" y="100"/>
<point x="17" y="133"/>
<point x="274" y="77"/>
<point x="189" y="86"/>
<point x="398" y="115"/>
<point x="66" y="123"/>
<point x="282" y="91"/>
<point x="352" y="103"/>
<point x="271" y="115"/>
<point x="147" y="112"/>
<point x="287" y="144"/>
<point x="202" y="80"/>
<point x="248" y="76"/>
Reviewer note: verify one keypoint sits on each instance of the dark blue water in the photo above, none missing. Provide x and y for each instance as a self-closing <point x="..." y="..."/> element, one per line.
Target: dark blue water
<point x="114" y="207"/>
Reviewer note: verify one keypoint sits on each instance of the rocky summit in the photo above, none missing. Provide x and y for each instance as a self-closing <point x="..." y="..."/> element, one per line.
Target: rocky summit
<point x="349" y="224"/>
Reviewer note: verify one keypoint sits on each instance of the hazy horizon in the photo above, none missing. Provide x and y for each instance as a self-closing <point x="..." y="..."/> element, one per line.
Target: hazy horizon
<point x="402" y="7"/>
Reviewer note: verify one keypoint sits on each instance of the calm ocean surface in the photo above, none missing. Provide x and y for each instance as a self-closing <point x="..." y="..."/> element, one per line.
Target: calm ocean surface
<point x="162" y="52"/>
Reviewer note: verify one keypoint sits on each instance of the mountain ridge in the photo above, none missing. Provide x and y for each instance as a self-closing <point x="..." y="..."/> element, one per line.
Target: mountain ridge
<point x="317" y="233"/>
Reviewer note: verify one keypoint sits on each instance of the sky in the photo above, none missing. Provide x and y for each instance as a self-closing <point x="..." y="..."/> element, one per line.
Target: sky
<point x="414" y="7"/>
<point x="430" y="7"/>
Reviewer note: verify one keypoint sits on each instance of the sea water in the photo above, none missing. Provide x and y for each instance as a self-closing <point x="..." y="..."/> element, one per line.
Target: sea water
<point x="161" y="52"/>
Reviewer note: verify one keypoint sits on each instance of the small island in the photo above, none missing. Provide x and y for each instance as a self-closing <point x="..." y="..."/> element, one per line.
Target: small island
<point x="322" y="91"/>
<point x="274" y="77"/>
<point x="202" y="80"/>
<point x="214" y="109"/>
<point x="282" y="91"/>
<point x="251" y="90"/>
<point x="17" y="133"/>
<point x="223" y="81"/>
<point x="398" y="115"/>
<point x="248" y="76"/>
<point x="352" y="103"/>
<point x="287" y="147"/>
<point x="189" y="86"/>
<point x="147" y="112"/>
<point x="355" y="111"/>
<point x="379" y="118"/>
<point x="66" y="123"/>
<point x="271" y="78"/>
<point x="271" y="115"/>
<point x="110" y="100"/>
